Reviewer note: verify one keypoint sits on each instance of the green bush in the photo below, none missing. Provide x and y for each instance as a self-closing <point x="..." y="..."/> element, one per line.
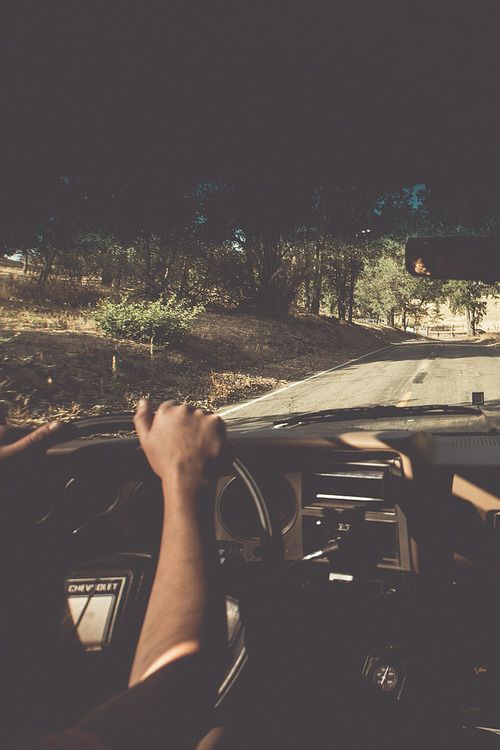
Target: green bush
<point x="164" y="323"/>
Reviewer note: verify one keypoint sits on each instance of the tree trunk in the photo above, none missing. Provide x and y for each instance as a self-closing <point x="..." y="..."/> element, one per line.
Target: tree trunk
<point x="274" y="289"/>
<point x="26" y="262"/>
<point x="48" y="262"/>
<point x="350" y="309"/>
<point x="184" y="279"/>
<point x="117" y="278"/>
<point x="147" y="268"/>
<point x="468" y="322"/>
<point x="168" y="270"/>
<point x="315" y="304"/>
<point x="307" y="294"/>
<point x="340" y="287"/>
<point x="317" y="282"/>
<point x="106" y="277"/>
<point x="354" y="269"/>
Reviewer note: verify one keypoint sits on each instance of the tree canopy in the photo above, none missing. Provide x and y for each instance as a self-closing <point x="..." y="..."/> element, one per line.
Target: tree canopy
<point x="270" y="248"/>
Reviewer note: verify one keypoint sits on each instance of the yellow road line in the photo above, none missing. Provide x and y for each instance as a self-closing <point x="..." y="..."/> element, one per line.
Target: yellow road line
<point x="404" y="399"/>
<point x="244" y="405"/>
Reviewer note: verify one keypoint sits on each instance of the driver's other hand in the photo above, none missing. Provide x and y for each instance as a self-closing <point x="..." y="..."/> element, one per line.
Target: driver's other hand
<point x="178" y="440"/>
<point x="34" y="440"/>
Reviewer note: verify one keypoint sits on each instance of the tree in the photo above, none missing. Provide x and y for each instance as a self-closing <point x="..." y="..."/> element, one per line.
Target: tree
<point x="270" y="220"/>
<point x="387" y="292"/>
<point x="344" y="263"/>
<point x="469" y="297"/>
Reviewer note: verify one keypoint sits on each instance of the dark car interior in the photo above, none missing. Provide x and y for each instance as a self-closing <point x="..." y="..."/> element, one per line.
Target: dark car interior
<point x="361" y="572"/>
<point x="360" y="556"/>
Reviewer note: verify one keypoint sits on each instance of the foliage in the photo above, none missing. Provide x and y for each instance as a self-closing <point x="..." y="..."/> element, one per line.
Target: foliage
<point x="161" y="323"/>
<point x="343" y="264"/>
<point x="265" y="246"/>
<point x="469" y="297"/>
<point x="388" y="293"/>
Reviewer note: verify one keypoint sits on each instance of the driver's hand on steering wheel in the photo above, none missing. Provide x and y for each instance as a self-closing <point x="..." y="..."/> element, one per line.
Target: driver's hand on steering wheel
<point x="178" y="440"/>
<point x="21" y="467"/>
<point x="33" y="441"/>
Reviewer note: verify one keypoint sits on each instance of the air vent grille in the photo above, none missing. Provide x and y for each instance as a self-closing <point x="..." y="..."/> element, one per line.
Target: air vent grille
<point x="352" y="484"/>
<point x="475" y="441"/>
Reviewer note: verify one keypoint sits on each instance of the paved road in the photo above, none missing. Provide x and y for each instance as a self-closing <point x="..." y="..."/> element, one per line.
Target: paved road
<point x="403" y="374"/>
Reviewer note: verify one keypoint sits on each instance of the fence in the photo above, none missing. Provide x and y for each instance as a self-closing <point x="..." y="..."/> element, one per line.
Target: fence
<point x="452" y="331"/>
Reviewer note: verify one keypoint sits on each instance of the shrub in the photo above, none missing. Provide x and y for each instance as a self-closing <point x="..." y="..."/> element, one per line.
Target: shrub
<point x="163" y="323"/>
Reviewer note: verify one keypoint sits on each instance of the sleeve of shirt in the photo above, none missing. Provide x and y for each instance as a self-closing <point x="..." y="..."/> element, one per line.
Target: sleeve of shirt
<point x="169" y="710"/>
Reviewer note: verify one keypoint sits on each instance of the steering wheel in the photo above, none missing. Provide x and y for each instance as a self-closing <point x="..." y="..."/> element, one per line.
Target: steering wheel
<point x="67" y="445"/>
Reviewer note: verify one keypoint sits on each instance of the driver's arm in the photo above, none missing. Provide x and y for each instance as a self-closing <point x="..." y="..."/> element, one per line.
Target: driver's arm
<point x="186" y="613"/>
<point x="181" y="649"/>
<point x="179" y="654"/>
<point x="10" y="447"/>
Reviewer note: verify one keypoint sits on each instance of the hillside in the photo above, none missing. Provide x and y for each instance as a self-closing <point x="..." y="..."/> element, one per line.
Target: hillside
<point x="57" y="364"/>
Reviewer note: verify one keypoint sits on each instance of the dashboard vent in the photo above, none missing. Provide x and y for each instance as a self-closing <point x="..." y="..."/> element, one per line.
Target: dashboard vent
<point x="350" y="484"/>
<point x="475" y="441"/>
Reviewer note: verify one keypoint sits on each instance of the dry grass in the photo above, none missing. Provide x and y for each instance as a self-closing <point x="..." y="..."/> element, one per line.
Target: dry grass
<point x="21" y="288"/>
<point x="54" y="363"/>
<point x="226" y="387"/>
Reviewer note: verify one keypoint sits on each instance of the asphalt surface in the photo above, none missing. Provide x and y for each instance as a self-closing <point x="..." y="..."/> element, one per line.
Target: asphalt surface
<point x="404" y="374"/>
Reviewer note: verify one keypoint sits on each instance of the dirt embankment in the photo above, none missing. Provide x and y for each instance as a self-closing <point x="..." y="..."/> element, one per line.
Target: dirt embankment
<point x="490" y="337"/>
<point x="56" y="365"/>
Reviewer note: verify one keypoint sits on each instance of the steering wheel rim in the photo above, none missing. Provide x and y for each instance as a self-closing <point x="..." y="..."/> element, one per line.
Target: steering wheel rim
<point x="270" y="536"/>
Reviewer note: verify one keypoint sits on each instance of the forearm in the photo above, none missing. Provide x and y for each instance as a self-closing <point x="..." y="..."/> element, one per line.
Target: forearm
<point x="170" y="709"/>
<point x="186" y="611"/>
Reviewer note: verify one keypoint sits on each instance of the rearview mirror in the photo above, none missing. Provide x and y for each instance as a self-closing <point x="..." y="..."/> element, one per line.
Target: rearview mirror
<point x="462" y="258"/>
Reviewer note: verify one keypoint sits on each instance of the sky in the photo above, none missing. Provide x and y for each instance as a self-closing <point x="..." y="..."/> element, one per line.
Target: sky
<point x="416" y="195"/>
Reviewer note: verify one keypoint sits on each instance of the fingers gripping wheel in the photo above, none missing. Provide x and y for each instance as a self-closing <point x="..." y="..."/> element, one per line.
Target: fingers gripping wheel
<point x="229" y="459"/>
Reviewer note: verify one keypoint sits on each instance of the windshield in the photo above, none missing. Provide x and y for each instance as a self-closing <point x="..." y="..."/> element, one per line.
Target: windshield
<point x="189" y="214"/>
<point x="86" y="345"/>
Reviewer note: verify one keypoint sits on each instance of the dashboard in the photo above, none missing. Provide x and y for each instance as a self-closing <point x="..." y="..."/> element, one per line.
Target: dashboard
<point x="321" y="501"/>
<point x="354" y="501"/>
<point x="395" y="505"/>
<point x="398" y="533"/>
